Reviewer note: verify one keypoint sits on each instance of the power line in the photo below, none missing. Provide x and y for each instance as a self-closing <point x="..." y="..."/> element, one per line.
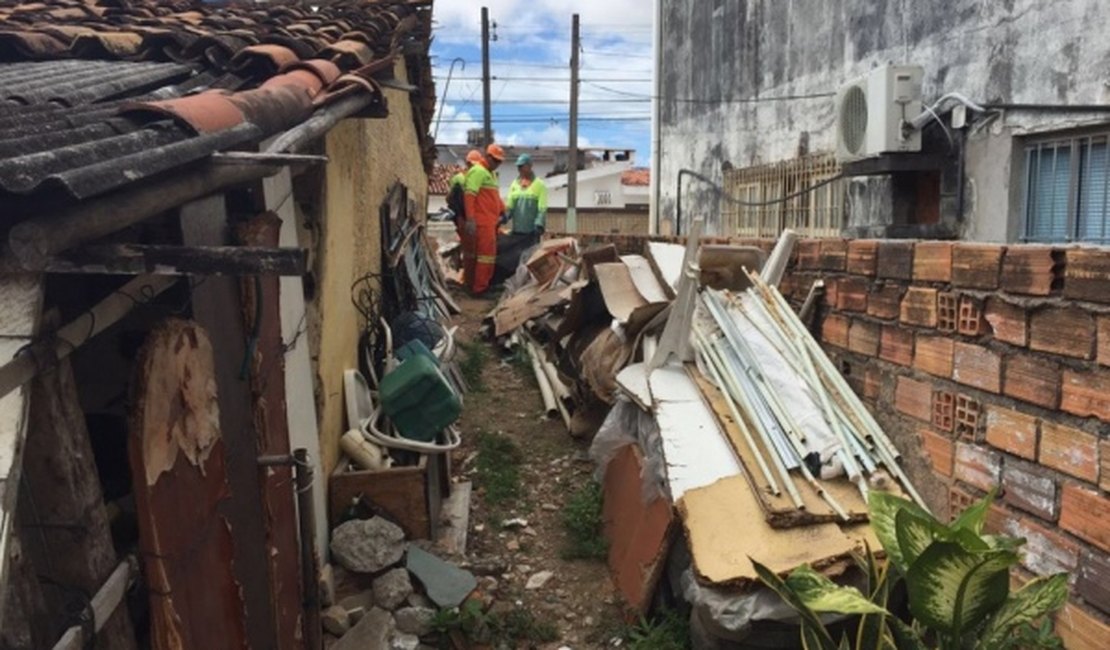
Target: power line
<point x="560" y="102"/>
<point x="541" y="120"/>
<point x="739" y="100"/>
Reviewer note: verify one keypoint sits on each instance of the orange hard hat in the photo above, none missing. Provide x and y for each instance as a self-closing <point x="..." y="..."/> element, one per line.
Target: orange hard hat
<point x="496" y="152"/>
<point x="474" y="156"/>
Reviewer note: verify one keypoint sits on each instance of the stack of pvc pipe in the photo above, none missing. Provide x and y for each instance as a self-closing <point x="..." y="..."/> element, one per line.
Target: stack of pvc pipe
<point x="748" y="343"/>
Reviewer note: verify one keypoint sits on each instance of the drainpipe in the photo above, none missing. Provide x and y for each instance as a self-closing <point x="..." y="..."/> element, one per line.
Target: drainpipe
<point x="656" y="126"/>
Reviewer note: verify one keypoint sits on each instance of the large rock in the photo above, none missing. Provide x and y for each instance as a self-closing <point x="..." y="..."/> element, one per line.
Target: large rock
<point x="368" y="545"/>
<point x="373" y="632"/>
<point x="336" y="620"/>
<point x="392" y="588"/>
<point x="414" y="620"/>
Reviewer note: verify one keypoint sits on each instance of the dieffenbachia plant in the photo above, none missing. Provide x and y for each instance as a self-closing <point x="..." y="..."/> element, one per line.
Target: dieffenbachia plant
<point x="957" y="582"/>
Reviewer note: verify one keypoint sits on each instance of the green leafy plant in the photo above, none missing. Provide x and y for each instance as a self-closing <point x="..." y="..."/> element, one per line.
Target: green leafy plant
<point x="582" y="519"/>
<point x="498" y="468"/>
<point x="957" y="581"/>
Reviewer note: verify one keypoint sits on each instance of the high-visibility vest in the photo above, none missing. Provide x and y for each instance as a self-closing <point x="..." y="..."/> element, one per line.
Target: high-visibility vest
<point x="527" y="205"/>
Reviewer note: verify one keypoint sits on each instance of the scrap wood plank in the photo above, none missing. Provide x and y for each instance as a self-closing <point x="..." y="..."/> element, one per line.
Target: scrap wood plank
<point x="179" y="473"/>
<point x="779" y="510"/>
<point x="714" y="516"/>
<point x="262" y="314"/>
<point x="20" y="313"/>
<point x="695" y="450"/>
<point x="639" y="532"/>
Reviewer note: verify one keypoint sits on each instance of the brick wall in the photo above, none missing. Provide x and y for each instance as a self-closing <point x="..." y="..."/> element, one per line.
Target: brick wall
<point x="988" y="365"/>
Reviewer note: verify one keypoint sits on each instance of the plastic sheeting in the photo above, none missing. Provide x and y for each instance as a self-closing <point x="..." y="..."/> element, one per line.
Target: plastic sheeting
<point x="627" y="424"/>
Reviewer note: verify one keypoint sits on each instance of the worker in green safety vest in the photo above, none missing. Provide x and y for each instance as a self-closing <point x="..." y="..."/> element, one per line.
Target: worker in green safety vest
<point x="527" y="204"/>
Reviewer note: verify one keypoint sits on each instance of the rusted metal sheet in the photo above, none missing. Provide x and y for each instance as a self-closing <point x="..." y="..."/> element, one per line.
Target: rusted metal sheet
<point x="179" y="475"/>
<point x="262" y="315"/>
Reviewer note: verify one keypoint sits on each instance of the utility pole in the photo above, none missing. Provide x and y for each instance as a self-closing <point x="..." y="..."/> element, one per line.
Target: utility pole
<point x="487" y="135"/>
<point x="572" y="154"/>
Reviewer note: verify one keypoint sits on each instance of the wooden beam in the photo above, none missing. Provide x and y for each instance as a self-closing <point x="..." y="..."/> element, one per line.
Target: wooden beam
<point x="129" y="259"/>
<point x="62" y="515"/>
<point x="20" y="312"/>
<point x="216" y="306"/>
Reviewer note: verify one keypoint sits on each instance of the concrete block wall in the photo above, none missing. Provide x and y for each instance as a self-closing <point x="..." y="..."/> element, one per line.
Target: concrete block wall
<point x="990" y="366"/>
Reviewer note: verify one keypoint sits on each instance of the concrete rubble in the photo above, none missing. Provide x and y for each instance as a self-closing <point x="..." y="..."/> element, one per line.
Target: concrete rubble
<point x="369" y="545"/>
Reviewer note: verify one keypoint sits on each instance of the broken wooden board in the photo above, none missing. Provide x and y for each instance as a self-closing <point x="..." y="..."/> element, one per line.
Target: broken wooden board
<point x="618" y="290"/>
<point x="695" y="450"/>
<point x="726" y="530"/>
<point x="529" y="303"/>
<point x="780" y="511"/>
<point x="639" y="533"/>
<point x="179" y="476"/>
<point x="454" y="520"/>
<point x="262" y="314"/>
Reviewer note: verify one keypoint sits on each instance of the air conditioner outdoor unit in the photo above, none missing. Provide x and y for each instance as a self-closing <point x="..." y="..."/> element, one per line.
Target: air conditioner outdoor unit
<point x="871" y="112"/>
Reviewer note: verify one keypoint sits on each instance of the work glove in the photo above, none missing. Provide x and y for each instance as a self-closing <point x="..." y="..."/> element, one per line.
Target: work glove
<point x="503" y="220"/>
<point x="539" y="231"/>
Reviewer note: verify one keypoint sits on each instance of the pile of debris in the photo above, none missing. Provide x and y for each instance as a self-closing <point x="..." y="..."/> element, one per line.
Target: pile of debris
<point x="712" y="408"/>
<point x="389" y="590"/>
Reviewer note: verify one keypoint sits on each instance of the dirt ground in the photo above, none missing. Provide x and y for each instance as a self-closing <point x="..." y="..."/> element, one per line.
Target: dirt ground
<point x="579" y="600"/>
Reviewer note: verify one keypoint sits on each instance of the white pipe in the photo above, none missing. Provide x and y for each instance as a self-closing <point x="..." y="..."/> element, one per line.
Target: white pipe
<point x="550" y="410"/>
<point x="103" y="604"/>
<point x="775" y="267"/>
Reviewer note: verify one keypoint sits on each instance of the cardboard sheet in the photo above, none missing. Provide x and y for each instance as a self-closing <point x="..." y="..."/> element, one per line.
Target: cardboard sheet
<point x="644" y="278"/>
<point x="619" y="291"/>
<point x="528" y="303"/>
<point x="725" y="528"/>
<point x="695" y="450"/>
<point x="667" y="259"/>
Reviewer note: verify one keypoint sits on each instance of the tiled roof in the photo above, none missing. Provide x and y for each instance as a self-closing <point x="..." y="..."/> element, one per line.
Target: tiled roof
<point x="439" y="181"/>
<point x="96" y="94"/>
<point x="638" y="177"/>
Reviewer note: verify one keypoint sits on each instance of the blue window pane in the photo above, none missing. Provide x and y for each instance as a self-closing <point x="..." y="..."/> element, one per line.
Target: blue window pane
<point x="1049" y="180"/>
<point x="1092" y="192"/>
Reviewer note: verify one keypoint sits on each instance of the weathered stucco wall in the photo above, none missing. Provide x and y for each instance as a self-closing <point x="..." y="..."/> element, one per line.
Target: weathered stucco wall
<point x="366" y="157"/>
<point x="746" y="51"/>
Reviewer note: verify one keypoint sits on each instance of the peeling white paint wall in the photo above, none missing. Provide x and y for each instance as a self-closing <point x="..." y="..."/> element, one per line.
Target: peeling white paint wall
<point x="748" y="51"/>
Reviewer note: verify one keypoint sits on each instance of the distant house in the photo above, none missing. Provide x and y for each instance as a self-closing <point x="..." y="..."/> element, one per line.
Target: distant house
<point x="439" y="185"/>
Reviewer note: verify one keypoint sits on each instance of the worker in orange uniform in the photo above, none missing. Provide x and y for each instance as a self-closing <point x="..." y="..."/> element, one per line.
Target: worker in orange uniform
<point x="456" y="193"/>
<point x="484" y="208"/>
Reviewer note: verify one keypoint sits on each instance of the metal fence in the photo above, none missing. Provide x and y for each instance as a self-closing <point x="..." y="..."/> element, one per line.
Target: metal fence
<point x="819" y="213"/>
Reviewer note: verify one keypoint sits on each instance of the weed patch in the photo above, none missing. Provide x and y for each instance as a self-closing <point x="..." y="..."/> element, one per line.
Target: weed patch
<point x="499" y="629"/>
<point x="668" y="630"/>
<point x="475" y="357"/>
<point x="498" y="468"/>
<point x="583" y="521"/>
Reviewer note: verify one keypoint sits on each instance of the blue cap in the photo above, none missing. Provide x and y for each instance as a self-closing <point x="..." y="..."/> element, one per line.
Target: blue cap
<point x="523" y="159"/>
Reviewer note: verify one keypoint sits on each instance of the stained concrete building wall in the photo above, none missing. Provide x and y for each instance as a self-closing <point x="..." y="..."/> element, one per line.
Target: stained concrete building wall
<point x="724" y="61"/>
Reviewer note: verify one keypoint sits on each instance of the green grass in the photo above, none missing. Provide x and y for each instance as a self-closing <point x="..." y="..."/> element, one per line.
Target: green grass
<point x="498" y="468"/>
<point x="582" y="519"/>
<point x="499" y="629"/>
<point x="475" y="357"/>
<point x="668" y="630"/>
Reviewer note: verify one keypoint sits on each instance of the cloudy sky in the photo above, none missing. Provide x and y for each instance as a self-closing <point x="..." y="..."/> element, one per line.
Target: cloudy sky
<point x="530" y="66"/>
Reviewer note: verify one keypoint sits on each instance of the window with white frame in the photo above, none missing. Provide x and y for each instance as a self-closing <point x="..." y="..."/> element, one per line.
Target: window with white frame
<point x="603" y="197"/>
<point x="1066" y="190"/>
